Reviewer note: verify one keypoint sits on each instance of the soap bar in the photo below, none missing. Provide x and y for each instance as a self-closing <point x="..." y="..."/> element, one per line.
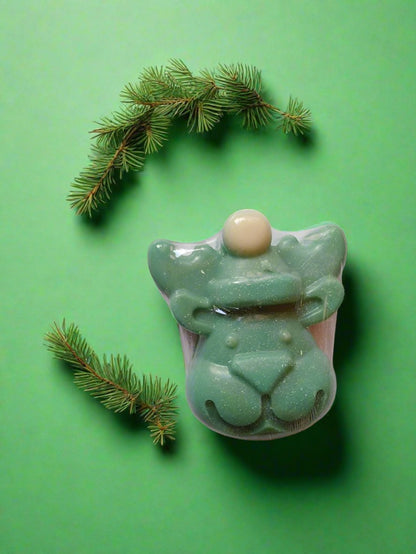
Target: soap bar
<point x="256" y="309"/>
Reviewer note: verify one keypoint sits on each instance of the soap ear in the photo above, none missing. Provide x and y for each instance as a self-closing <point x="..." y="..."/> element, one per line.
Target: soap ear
<point x="174" y="266"/>
<point x="159" y="259"/>
<point x="319" y="252"/>
<point x="320" y="300"/>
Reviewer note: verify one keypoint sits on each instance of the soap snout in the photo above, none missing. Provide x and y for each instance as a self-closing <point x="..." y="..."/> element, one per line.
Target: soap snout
<point x="262" y="370"/>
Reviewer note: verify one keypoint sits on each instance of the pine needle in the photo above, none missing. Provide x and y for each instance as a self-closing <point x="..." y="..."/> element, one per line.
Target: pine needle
<point x="114" y="384"/>
<point x="161" y="95"/>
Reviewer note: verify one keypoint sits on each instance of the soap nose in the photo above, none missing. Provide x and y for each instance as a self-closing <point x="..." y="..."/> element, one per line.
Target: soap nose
<point x="262" y="369"/>
<point x="247" y="233"/>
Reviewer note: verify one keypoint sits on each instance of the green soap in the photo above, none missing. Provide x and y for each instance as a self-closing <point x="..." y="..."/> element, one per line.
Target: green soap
<point x="245" y="300"/>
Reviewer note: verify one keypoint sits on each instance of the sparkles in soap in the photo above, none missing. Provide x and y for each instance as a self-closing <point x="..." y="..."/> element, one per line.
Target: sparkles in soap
<point x="256" y="309"/>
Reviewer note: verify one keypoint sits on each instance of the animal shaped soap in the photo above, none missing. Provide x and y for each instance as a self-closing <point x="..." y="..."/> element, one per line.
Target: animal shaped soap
<point x="256" y="309"/>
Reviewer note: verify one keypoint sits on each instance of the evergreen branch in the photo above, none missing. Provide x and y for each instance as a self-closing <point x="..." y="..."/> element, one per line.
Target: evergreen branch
<point x="93" y="187"/>
<point x="161" y="95"/>
<point x="242" y="94"/>
<point x="156" y="408"/>
<point x="296" y="119"/>
<point x="114" y="384"/>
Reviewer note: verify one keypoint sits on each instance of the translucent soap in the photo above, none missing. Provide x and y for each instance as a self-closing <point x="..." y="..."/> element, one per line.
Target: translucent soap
<point x="256" y="309"/>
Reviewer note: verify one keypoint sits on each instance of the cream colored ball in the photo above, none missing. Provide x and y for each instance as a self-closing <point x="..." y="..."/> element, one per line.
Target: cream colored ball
<point x="247" y="233"/>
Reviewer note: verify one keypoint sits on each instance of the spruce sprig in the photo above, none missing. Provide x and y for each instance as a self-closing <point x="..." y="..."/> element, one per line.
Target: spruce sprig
<point x="161" y="95"/>
<point x="113" y="383"/>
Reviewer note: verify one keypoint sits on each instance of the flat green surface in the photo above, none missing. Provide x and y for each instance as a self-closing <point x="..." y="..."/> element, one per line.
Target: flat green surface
<point x="74" y="477"/>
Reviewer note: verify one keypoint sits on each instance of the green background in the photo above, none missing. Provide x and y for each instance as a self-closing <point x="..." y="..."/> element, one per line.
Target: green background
<point x="77" y="478"/>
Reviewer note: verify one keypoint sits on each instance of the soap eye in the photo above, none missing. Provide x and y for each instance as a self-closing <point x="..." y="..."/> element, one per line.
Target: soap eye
<point x="231" y="341"/>
<point x="247" y="233"/>
<point x="285" y="336"/>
